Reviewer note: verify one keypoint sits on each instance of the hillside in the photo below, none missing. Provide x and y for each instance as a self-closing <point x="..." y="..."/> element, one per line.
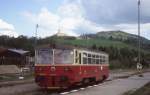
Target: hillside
<point x="116" y="35"/>
<point x="121" y="46"/>
<point x="117" y="39"/>
<point x="120" y="36"/>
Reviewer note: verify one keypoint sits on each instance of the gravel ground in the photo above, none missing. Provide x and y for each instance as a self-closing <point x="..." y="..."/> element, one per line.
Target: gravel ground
<point x="15" y="90"/>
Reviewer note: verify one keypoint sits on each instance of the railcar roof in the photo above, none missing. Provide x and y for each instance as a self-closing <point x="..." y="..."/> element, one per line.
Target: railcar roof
<point x="68" y="47"/>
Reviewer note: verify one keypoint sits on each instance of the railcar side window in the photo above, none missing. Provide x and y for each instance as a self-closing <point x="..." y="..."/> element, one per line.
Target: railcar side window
<point x="89" y="55"/>
<point x="97" y="56"/>
<point x="107" y="60"/>
<point x="85" y="60"/>
<point x="94" y="58"/>
<point x="104" y="60"/>
<point x="100" y="60"/>
<point x="97" y="61"/>
<point x="89" y="61"/>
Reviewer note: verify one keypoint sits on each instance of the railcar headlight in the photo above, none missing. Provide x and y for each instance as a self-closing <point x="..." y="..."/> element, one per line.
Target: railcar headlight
<point x="40" y="69"/>
<point x="53" y="68"/>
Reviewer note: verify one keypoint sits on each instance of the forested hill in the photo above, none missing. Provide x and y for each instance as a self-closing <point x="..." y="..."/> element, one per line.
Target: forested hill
<point x="121" y="46"/>
<point x="122" y="37"/>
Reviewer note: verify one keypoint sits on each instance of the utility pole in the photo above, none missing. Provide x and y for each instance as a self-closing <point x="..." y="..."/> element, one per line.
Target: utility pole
<point x="36" y="30"/>
<point x="139" y="65"/>
<point x="35" y="42"/>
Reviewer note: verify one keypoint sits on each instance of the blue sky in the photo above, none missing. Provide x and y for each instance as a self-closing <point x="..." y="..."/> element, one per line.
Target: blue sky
<point x="73" y="17"/>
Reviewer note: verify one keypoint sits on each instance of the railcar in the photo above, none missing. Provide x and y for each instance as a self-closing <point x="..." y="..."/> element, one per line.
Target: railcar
<point x="62" y="67"/>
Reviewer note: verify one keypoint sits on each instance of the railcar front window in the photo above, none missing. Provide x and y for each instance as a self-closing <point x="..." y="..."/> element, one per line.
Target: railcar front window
<point x="63" y="57"/>
<point x="44" y="56"/>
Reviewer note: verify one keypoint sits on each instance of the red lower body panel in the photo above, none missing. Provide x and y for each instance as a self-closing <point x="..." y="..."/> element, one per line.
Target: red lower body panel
<point x="64" y="76"/>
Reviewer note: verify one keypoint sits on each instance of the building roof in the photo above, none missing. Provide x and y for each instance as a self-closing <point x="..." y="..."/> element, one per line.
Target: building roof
<point x="11" y="52"/>
<point x="2" y="49"/>
<point x="20" y="51"/>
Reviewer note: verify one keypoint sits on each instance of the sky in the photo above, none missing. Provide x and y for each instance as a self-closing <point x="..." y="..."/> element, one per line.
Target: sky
<point x="72" y="17"/>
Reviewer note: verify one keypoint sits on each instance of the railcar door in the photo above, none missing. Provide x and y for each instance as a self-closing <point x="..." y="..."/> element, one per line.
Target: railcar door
<point x="79" y="58"/>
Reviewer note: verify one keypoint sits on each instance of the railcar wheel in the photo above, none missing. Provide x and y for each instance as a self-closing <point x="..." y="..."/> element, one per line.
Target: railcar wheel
<point x="85" y="81"/>
<point x="104" y="78"/>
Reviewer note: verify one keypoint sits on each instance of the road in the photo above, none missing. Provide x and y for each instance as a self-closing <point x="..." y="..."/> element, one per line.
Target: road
<point x="114" y="87"/>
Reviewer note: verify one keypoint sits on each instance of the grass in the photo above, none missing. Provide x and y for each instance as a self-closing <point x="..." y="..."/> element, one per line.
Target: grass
<point x="14" y="77"/>
<point x="8" y="77"/>
<point x="98" y="42"/>
<point x="145" y="90"/>
<point x="106" y="43"/>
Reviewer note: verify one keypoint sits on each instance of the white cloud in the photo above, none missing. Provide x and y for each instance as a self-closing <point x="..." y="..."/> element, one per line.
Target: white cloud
<point x="48" y="22"/>
<point x="7" y="29"/>
<point x="132" y="28"/>
<point x="70" y="10"/>
<point x="145" y="7"/>
<point x="68" y="17"/>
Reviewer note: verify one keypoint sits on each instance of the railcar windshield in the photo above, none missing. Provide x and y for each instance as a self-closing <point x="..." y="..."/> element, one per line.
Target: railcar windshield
<point x="54" y="56"/>
<point x="44" y="56"/>
<point x="63" y="57"/>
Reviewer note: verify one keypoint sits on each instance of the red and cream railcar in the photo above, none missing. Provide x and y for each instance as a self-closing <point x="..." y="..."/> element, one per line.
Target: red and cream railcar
<point x="58" y="68"/>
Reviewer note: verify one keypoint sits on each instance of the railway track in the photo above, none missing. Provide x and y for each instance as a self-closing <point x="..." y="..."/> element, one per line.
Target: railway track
<point x="34" y="90"/>
<point x="62" y="92"/>
<point x="70" y="90"/>
<point x="13" y="83"/>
